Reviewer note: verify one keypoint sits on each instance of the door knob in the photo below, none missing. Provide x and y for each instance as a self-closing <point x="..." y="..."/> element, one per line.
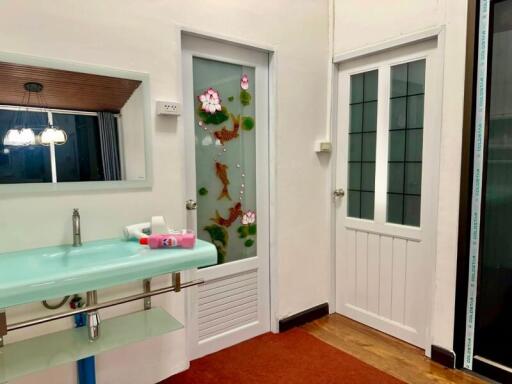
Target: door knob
<point x="340" y="192"/>
<point x="191" y="205"/>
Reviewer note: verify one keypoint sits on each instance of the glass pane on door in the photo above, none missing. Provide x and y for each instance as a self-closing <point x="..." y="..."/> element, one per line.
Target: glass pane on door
<point x="225" y="151"/>
<point x="494" y="302"/>
<point x="362" y="144"/>
<point x="405" y="143"/>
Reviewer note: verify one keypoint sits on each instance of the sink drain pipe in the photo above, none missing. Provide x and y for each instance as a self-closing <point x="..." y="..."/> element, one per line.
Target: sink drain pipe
<point x="86" y="368"/>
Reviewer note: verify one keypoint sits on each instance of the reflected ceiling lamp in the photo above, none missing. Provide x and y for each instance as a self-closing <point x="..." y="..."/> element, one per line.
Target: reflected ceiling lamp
<point x="20" y="137"/>
<point x="20" y="134"/>
<point x="53" y="135"/>
<point x="23" y="135"/>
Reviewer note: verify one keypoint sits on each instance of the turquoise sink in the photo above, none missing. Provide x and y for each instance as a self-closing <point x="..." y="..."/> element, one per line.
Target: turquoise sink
<point x="52" y="272"/>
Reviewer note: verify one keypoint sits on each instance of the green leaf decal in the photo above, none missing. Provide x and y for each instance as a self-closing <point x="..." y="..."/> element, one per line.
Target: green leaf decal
<point x="247" y="123"/>
<point x="245" y="97"/>
<point x="249" y="243"/>
<point x="243" y="231"/>
<point x="218" y="234"/>
<point x="217" y="118"/>
<point x="231" y="98"/>
<point x="252" y="229"/>
<point x="221" y="253"/>
<point x="219" y="237"/>
<point x="203" y="191"/>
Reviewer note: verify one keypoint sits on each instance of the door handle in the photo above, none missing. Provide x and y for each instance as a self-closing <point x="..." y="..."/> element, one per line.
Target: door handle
<point x="191" y="205"/>
<point x="338" y="193"/>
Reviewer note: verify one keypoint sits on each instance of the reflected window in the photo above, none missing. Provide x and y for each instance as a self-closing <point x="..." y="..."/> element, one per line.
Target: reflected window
<point x="90" y="151"/>
<point x="80" y="159"/>
<point x="27" y="163"/>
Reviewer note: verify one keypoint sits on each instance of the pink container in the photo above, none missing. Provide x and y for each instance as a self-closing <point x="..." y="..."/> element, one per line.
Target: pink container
<point x="182" y="240"/>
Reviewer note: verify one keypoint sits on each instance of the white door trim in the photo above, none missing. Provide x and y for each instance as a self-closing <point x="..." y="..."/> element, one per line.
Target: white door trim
<point x="207" y="332"/>
<point x="412" y="38"/>
<point x="437" y="59"/>
<point x="272" y="124"/>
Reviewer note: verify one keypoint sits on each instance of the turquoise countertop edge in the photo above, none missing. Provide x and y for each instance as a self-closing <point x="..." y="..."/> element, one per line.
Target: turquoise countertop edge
<point x="51" y="272"/>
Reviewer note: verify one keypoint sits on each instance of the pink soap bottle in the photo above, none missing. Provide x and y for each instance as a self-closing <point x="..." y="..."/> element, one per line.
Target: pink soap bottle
<point x="180" y="240"/>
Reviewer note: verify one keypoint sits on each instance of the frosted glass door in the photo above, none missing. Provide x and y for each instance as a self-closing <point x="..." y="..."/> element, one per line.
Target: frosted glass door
<point x="225" y="154"/>
<point x="226" y="115"/>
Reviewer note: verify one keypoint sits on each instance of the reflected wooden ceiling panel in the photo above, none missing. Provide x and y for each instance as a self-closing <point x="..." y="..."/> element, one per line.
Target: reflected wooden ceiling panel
<point x="65" y="89"/>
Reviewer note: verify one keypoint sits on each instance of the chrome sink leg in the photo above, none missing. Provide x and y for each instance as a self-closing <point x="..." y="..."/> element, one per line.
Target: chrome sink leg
<point x="3" y="327"/>
<point x="93" y="317"/>
<point x="146" y="285"/>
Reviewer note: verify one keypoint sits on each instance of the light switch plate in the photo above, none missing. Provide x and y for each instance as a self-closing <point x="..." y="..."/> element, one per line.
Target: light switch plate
<point x="172" y="108"/>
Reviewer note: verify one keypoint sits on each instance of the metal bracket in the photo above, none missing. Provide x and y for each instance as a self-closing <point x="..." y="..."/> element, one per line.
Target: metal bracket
<point x="176" y="281"/>
<point x="146" y="286"/>
<point x="3" y="327"/>
<point x="93" y="317"/>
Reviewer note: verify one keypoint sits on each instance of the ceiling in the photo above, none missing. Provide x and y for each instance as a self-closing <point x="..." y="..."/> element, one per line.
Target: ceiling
<point x="65" y="89"/>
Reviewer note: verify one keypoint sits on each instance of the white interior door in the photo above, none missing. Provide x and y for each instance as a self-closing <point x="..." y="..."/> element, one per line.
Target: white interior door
<point x="226" y="128"/>
<point x="388" y="122"/>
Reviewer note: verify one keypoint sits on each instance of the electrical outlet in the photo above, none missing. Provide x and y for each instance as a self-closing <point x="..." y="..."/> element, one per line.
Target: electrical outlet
<point x="323" y="147"/>
<point x="168" y="108"/>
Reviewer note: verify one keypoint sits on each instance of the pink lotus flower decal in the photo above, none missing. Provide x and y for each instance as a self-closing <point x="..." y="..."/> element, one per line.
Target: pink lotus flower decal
<point x="210" y="101"/>
<point x="249" y="217"/>
<point x="244" y="82"/>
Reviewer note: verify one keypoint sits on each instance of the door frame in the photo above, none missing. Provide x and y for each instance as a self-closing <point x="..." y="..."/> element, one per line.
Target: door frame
<point x="470" y="86"/>
<point x="338" y="60"/>
<point x="182" y="31"/>
<point x="482" y="366"/>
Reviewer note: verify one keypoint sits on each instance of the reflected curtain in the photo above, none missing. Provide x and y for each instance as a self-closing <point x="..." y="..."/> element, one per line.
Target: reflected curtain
<point x="109" y="145"/>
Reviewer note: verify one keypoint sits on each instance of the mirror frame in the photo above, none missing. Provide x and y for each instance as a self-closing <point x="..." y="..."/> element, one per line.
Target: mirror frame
<point x="83" y="186"/>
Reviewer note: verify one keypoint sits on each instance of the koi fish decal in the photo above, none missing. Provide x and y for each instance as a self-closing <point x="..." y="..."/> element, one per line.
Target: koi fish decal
<point x="225" y="135"/>
<point x="234" y="213"/>
<point x="222" y="174"/>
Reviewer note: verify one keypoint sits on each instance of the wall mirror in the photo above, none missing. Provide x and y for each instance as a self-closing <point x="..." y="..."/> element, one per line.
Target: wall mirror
<point x="68" y="126"/>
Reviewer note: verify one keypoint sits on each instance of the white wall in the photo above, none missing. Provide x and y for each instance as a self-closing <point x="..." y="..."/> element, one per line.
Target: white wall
<point x="142" y="36"/>
<point x="132" y="136"/>
<point x="362" y="23"/>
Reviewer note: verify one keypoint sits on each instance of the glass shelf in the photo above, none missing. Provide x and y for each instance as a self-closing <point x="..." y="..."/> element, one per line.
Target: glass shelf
<point x="43" y="352"/>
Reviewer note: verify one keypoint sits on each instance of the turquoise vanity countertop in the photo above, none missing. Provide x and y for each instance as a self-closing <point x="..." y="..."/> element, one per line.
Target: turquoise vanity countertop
<point x="53" y="272"/>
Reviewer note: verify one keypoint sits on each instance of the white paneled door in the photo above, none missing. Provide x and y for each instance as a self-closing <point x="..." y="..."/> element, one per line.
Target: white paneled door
<point x="226" y="131"/>
<point x="388" y="124"/>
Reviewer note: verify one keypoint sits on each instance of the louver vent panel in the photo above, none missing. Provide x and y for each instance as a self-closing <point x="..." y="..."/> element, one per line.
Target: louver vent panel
<point x="228" y="303"/>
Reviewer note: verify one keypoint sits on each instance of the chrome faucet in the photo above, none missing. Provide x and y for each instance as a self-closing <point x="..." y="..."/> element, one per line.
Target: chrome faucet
<point x="77" y="237"/>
